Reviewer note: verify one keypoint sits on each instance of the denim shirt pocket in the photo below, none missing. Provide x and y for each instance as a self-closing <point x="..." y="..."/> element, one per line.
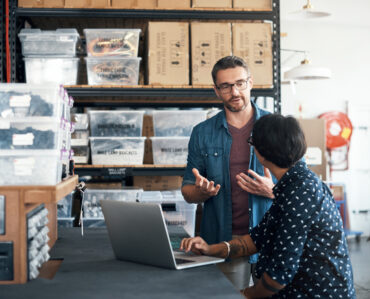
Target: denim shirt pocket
<point x="213" y="158"/>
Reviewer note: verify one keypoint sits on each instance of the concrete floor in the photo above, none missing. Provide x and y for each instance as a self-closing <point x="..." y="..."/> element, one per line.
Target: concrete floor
<point x="360" y="258"/>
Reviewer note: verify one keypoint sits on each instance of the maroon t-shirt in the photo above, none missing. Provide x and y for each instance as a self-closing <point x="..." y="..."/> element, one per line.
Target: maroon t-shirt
<point x="239" y="162"/>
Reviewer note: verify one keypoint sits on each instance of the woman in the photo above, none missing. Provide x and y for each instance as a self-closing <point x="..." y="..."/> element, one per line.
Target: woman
<point x="301" y="242"/>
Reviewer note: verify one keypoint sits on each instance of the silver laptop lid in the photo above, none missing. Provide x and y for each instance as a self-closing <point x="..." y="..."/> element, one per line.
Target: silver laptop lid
<point x="138" y="232"/>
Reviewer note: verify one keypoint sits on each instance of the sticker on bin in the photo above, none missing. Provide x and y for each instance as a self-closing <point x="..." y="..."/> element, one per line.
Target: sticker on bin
<point x="24" y="167"/>
<point x="170" y="150"/>
<point x="23" y="139"/>
<point x="117" y="150"/>
<point x="20" y="100"/>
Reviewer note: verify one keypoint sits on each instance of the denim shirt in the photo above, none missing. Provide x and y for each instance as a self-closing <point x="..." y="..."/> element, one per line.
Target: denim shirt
<point x="209" y="152"/>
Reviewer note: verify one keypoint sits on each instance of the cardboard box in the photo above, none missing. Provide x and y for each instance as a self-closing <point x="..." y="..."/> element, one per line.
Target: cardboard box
<point x="314" y="131"/>
<point x="146" y="4"/>
<point x="209" y="43"/>
<point x="154" y="183"/>
<point x="87" y="4"/>
<point x="173" y="4"/>
<point x="212" y="3"/>
<point x="168" y="53"/>
<point x="253" y="43"/>
<point x="253" y="4"/>
<point x="41" y="3"/>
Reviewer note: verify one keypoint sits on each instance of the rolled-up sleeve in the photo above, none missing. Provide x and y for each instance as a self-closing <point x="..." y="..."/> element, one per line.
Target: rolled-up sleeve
<point x="194" y="158"/>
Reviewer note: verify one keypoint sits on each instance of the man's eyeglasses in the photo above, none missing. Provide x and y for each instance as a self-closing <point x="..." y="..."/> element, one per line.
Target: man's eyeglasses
<point x="250" y="141"/>
<point x="226" y="88"/>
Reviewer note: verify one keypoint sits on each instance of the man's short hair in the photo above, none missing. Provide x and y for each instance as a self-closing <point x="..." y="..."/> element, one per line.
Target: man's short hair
<point x="228" y="62"/>
<point x="279" y="139"/>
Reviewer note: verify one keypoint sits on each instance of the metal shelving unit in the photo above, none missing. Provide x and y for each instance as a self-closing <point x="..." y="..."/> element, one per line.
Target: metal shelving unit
<point x="145" y="96"/>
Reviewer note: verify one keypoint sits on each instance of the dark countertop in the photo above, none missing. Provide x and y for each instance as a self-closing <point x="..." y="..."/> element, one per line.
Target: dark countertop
<point x="89" y="270"/>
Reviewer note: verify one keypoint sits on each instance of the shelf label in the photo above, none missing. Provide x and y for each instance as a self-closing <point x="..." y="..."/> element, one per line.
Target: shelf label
<point x="23" y="139"/>
<point x="117" y="171"/>
<point x="20" y="101"/>
<point x="24" y="166"/>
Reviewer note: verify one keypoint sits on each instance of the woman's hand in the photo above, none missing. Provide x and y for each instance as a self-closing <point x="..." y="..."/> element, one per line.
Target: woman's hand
<point x="196" y="245"/>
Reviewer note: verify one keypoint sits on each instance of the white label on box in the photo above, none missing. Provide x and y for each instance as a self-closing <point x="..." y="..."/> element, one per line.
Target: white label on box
<point x="65" y="39"/>
<point x="313" y="156"/>
<point x="20" y="101"/>
<point x="24" y="166"/>
<point x="4" y="125"/>
<point x="23" y="139"/>
<point x="79" y="142"/>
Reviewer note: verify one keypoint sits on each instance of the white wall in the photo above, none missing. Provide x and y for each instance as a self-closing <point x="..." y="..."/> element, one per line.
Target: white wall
<point x="340" y="42"/>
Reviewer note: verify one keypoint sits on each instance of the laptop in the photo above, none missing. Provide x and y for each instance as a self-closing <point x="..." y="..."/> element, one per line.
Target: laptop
<point x="138" y="233"/>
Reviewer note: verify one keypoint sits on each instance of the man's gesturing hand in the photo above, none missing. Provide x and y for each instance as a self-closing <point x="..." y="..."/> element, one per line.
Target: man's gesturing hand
<point x="262" y="185"/>
<point x="204" y="186"/>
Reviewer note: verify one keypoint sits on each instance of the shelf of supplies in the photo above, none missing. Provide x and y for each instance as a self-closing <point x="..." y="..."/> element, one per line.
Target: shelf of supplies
<point x="129" y="170"/>
<point x="191" y="13"/>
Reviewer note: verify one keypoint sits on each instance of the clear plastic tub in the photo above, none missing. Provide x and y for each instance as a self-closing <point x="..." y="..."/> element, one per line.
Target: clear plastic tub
<point x="117" y="150"/>
<point x="25" y="167"/>
<point x="64" y="206"/>
<point x="81" y="121"/>
<point x="116" y="123"/>
<point x="52" y="70"/>
<point x="170" y="150"/>
<point x="82" y="136"/>
<point x="93" y="223"/>
<point x="23" y="100"/>
<point x="112" y="42"/>
<point x="92" y="198"/>
<point x="176" y="122"/>
<point x="61" y="42"/>
<point x="66" y="222"/>
<point x="31" y="133"/>
<point x="81" y="154"/>
<point x="113" y="70"/>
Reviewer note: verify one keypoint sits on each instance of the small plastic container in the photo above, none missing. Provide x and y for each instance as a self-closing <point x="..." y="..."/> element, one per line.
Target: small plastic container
<point x="31" y="133"/>
<point x="112" y="42"/>
<point x="64" y="206"/>
<point x="176" y="122"/>
<point x="170" y="150"/>
<point x="117" y="150"/>
<point x="25" y="167"/>
<point x="81" y="121"/>
<point x="81" y="154"/>
<point x="23" y="100"/>
<point x="61" y="42"/>
<point x="52" y="70"/>
<point x="116" y="123"/>
<point x="82" y="136"/>
<point x="66" y="222"/>
<point x="113" y="70"/>
<point x="92" y="198"/>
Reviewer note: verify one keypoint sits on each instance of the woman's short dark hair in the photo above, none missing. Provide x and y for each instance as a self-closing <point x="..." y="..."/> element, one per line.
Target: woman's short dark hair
<point x="279" y="139"/>
<point x="228" y="62"/>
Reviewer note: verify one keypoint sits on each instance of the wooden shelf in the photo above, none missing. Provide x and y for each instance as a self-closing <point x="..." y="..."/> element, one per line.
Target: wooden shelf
<point x="19" y="201"/>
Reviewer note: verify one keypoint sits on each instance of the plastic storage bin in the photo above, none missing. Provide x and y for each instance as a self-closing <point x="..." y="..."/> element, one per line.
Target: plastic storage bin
<point x="24" y="167"/>
<point x="66" y="222"/>
<point x="81" y="121"/>
<point x="116" y="123"/>
<point x="113" y="70"/>
<point x="81" y="154"/>
<point x="64" y="206"/>
<point x="93" y="223"/>
<point x="176" y="122"/>
<point x="112" y="42"/>
<point x="36" y="42"/>
<point x="53" y="70"/>
<point x="117" y="150"/>
<point x="170" y="150"/>
<point x="23" y="100"/>
<point x="92" y="197"/>
<point x="31" y="133"/>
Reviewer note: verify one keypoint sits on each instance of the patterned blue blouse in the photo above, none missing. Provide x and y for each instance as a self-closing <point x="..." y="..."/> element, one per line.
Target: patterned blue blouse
<point x="301" y="240"/>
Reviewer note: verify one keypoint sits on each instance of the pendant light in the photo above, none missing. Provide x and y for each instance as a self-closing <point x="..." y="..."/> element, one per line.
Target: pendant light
<point x="306" y="71"/>
<point x="308" y="12"/>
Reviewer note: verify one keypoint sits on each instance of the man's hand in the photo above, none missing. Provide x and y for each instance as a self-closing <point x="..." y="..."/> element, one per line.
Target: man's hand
<point x="262" y="185"/>
<point x="206" y="187"/>
<point x="196" y="245"/>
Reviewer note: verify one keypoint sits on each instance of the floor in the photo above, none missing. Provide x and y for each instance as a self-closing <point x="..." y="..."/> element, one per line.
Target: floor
<point x="360" y="258"/>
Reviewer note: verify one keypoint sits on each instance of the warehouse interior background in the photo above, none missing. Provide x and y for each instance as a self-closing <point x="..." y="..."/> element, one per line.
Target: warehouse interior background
<point x="341" y="43"/>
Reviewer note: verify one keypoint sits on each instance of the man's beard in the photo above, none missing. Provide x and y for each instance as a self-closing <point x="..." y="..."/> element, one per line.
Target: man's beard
<point x="233" y="109"/>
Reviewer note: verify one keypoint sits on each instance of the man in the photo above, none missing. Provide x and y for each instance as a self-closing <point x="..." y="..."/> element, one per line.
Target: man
<point x="301" y="240"/>
<point x="223" y="172"/>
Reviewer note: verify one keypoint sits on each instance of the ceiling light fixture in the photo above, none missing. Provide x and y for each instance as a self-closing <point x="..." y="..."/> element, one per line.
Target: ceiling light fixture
<point x="308" y="12"/>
